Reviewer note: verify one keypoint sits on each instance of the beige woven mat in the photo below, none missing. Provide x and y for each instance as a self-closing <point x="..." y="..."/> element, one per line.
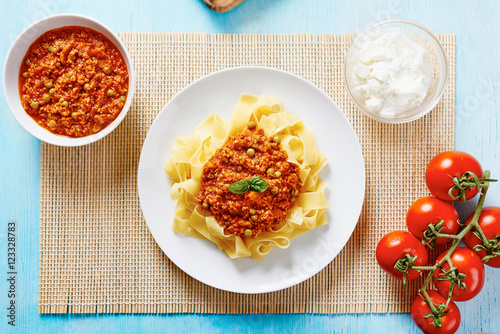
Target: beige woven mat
<point x="96" y="252"/>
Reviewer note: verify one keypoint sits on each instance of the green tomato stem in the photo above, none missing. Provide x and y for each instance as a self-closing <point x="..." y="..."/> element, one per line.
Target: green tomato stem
<point x="485" y="240"/>
<point x="447" y="258"/>
<point x="427" y="299"/>
<point x="464" y="182"/>
<point x="422" y="268"/>
<point x="444" y="235"/>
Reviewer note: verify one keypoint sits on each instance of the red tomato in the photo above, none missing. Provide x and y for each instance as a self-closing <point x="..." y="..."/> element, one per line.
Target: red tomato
<point x="467" y="262"/>
<point x="431" y="210"/>
<point x="444" y="167"/>
<point x="449" y="321"/>
<point x="489" y="221"/>
<point x="394" y="246"/>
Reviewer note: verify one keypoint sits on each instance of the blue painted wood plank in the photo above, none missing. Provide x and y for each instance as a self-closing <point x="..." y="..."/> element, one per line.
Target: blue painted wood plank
<point x="477" y="28"/>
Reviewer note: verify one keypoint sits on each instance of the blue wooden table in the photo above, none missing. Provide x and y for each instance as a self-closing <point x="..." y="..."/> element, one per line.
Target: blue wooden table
<point x="477" y="27"/>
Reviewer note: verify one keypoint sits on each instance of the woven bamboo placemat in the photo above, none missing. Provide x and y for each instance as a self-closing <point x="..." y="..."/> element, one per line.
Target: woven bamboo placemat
<point x="96" y="252"/>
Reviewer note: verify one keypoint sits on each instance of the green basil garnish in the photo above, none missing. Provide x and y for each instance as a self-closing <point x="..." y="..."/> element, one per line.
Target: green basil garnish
<point x="240" y="187"/>
<point x="256" y="184"/>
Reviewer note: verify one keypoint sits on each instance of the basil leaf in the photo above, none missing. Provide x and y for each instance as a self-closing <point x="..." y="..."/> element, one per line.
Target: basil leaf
<point x="258" y="184"/>
<point x="240" y="187"/>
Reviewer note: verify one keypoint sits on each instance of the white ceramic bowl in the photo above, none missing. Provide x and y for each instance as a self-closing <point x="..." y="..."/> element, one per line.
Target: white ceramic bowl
<point x="437" y="60"/>
<point x="13" y="64"/>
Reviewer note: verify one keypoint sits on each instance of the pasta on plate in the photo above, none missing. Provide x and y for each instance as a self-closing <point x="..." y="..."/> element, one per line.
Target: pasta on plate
<point x="192" y="153"/>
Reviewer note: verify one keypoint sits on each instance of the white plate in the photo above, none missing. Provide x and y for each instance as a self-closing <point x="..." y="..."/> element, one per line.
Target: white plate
<point x="307" y="254"/>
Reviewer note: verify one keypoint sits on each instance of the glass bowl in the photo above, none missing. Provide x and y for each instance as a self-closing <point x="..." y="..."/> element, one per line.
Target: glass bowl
<point x="438" y="62"/>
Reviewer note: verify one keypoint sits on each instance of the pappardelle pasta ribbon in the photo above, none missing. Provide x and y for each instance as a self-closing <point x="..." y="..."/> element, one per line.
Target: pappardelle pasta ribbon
<point x="190" y="153"/>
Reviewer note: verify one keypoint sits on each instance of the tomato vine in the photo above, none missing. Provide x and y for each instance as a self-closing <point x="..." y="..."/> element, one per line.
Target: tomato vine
<point x="458" y="273"/>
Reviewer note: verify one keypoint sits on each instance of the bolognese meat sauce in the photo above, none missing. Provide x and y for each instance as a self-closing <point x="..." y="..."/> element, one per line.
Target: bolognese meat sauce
<point x="246" y="155"/>
<point x="73" y="81"/>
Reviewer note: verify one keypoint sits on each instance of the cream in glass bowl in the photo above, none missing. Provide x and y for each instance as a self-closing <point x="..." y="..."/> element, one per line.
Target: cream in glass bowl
<point x="396" y="71"/>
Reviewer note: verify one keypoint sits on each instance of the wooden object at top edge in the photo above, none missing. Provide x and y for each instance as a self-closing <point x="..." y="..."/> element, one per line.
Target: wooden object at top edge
<point x="222" y="6"/>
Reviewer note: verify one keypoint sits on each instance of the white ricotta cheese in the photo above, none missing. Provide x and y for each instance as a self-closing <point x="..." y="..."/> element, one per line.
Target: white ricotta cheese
<point x="392" y="74"/>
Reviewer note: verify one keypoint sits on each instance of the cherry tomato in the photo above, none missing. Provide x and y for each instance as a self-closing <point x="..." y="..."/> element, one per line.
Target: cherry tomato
<point x="467" y="262"/>
<point x="444" y="167"/>
<point x="432" y="210"/>
<point x="489" y="221"/>
<point x="450" y="321"/>
<point x="394" y="246"/>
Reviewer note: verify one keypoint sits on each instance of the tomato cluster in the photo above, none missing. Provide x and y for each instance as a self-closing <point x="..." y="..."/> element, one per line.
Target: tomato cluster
<point x="458" y="272"/>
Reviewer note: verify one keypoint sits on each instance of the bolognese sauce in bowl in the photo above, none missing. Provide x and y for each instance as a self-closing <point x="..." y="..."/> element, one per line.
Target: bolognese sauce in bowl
<point x="74" y="80"/>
